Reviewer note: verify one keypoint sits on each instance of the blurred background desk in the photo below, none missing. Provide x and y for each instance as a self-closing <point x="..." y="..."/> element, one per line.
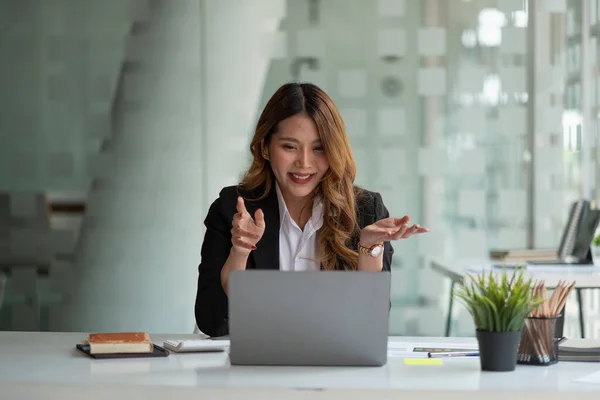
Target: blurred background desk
<point x="585" y="277"/>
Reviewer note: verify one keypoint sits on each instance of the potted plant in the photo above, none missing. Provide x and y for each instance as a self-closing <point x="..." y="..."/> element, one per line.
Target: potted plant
<point x="595" y="250"/>
<point x="499" y="306"/>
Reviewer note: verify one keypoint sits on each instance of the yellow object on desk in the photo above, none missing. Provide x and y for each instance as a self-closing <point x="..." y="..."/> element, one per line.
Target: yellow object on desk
<point x="423" y="361"/>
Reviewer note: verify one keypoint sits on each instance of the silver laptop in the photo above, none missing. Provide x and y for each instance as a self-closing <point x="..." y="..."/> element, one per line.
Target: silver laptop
<point x="318" y="318"/>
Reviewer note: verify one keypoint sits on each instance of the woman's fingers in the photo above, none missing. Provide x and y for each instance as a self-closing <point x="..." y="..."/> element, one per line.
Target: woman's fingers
<point x="413" y="230"/>
<point x="239" y="231"/>
<point x="402" y="221"/>
<point x="245" y="231"/>
<point x="240" y="206"/>
<point x="400" y="232"/>
<point x="259" y="219"/>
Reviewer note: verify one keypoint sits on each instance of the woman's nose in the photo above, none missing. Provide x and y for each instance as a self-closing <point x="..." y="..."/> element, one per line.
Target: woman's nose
<point x="304" y="159"/>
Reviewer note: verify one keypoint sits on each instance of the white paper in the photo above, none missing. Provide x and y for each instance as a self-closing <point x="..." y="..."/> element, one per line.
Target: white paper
<point x="591" y="378"/>
<point x="409" y="346"/>
<point x="405" y="354"/>
<point x="406" y="349"/>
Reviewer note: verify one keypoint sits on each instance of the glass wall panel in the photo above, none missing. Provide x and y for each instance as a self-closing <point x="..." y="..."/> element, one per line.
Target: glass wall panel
<point x="478" y="119"/>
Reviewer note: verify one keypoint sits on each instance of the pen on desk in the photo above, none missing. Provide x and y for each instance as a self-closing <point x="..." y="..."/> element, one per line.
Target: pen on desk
<point x="454" y="354"/>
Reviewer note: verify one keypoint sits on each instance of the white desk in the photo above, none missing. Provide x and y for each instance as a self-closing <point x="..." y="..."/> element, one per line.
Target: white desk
<point x="46" y="365"/>
<point x="585" y="277"/>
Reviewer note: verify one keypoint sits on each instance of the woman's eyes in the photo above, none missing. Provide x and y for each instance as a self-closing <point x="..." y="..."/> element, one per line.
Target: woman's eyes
<point x="290" y="147"/>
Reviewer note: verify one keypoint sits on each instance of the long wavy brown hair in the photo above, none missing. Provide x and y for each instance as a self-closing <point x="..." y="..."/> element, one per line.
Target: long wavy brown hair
<point x="337" y="186"/>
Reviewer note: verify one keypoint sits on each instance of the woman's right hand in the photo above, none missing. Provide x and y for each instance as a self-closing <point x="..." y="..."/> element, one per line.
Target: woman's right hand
<point x="246" y="231"/>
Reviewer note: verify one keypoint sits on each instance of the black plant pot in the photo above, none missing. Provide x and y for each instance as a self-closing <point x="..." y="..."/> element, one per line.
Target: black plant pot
<point x="498" y="350"/>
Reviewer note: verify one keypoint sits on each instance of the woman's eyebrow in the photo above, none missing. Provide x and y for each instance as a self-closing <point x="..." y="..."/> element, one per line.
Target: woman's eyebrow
<point x="291" y="139"/>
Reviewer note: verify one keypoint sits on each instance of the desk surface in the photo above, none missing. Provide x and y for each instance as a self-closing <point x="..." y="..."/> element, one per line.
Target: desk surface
<point x="585" y="276"/>
<point x="30" y="359"/>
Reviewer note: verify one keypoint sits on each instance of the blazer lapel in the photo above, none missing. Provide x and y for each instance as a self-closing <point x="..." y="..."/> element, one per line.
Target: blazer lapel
<point x="266" y="255"/>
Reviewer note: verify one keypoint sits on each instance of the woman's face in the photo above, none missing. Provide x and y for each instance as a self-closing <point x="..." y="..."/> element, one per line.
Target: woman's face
<point x="297" y="157"/>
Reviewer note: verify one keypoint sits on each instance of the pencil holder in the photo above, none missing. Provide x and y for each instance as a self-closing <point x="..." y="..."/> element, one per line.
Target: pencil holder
<point x="539" y="345"/>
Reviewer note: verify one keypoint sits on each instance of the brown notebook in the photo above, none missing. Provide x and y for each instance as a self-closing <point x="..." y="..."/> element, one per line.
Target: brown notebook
<point x="120" y="343"/>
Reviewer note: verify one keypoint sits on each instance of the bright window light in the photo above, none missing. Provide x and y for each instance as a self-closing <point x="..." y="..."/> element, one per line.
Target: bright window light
<point x="489" y="31"/>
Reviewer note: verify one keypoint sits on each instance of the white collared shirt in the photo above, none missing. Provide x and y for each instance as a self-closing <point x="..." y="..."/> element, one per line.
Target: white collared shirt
<point x="298" y="248"/>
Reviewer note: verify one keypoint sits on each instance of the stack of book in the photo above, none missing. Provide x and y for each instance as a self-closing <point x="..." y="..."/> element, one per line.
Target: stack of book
<point x="579" y="350"/>
<point x="108" y="344"/>
<point x="524" y="255"/>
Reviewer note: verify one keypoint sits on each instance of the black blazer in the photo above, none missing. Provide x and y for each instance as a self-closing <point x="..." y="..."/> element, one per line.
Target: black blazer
<point x="211" y="301"/>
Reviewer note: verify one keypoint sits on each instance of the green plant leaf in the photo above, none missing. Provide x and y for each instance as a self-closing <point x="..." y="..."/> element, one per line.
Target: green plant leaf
<point x="494" y="317"/>
<point x="496" y="301"/>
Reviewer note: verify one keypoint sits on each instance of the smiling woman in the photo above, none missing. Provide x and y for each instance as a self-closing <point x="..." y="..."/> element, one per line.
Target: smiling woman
<point x="297" y="159"/>
<point x="297" y="207"/>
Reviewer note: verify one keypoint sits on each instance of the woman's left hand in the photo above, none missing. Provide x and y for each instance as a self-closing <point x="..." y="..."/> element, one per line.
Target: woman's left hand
<point x="389" y="229"/>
